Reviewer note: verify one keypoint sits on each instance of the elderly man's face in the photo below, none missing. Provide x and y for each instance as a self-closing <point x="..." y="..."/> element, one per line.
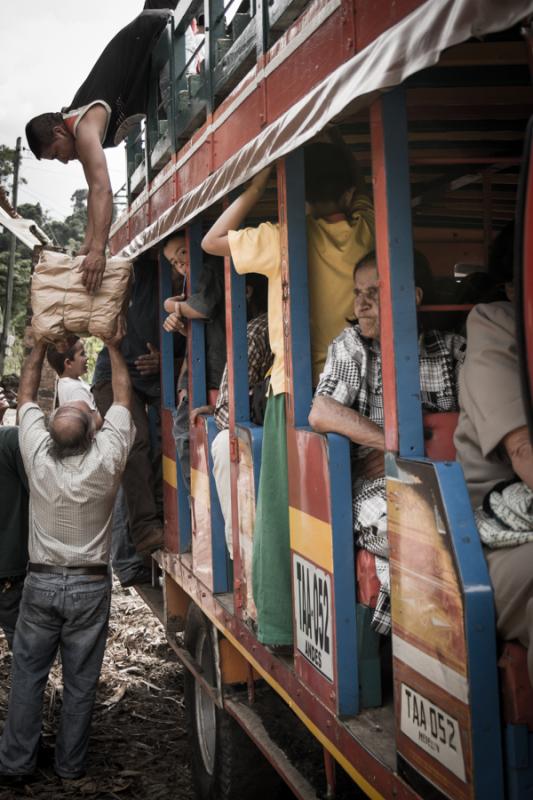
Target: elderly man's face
<point x="366" y="300"/>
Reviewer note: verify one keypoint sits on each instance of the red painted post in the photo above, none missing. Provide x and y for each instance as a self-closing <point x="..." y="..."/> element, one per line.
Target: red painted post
<point x="382" y="249"/>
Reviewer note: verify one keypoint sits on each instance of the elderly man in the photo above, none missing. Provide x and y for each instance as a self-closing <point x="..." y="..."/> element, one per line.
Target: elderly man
<point x="74" y="473"/>
<point x="496" y="453"/>
<point x="349" y="401"/>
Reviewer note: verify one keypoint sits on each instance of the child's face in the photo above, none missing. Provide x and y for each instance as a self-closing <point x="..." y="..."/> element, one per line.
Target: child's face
<point x="77" y="365"/>
<point x="176" y="252"/>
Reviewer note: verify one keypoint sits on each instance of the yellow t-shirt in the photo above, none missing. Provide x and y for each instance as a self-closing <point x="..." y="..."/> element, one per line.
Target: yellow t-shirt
<point x="333" y="248"/>
<point x="259" y="250"/>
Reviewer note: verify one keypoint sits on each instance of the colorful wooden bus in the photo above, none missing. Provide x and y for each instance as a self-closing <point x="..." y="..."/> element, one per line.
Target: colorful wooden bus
<point x="434" y="99"/>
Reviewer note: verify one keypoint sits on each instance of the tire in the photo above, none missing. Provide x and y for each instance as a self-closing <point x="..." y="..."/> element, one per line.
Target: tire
<point x="225" y="763"/>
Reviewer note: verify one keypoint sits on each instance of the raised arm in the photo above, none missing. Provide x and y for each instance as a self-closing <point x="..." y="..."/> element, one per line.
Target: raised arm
<point x="30" y="377"/>
<point x="216" y="239"/>
<point x="120" y="378"/>
<point x="99" y="200"/>
<point x="329" y="416"/>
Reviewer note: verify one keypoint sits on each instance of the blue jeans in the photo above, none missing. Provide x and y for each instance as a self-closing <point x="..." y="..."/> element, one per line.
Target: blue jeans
<point x="69" y="613"/>
<point x="180" y="429"/>
<point x="125" y="559"/>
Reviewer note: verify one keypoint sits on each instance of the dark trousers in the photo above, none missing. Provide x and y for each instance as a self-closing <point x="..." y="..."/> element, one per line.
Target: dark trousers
<point x="180" y="430"/>
<point x="9" y="607"/>
<point x="69" y="613"/>
<point x="138" y="477"/>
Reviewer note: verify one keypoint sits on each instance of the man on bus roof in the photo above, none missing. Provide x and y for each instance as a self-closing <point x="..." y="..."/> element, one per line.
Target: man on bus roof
<point x="112" y="99"/>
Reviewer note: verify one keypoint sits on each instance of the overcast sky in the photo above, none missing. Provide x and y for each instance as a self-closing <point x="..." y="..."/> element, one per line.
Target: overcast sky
<point x="46" y="51"/>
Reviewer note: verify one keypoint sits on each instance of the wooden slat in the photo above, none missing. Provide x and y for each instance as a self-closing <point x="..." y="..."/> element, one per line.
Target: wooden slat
<point x="476" y="54"/>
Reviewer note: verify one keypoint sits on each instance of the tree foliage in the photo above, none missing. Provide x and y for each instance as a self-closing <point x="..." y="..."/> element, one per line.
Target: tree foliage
<point x="68" y="233"/>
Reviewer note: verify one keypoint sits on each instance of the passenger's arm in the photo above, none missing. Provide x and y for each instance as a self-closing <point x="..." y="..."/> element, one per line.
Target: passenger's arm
<point x="170" y="303"/>
<point x="174" y="322"/>
<point x="518" y="447"/>
<point x="329" y="416"/>
<point x="216" y="239"/>
<point x="120" y="378"/>
<point x="99" y="203"/>
<point x="30" y="377"/>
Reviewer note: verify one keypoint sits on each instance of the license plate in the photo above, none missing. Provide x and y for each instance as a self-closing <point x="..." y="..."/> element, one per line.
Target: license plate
<point x="433" y="730"/>
<point x="313" y="609"/>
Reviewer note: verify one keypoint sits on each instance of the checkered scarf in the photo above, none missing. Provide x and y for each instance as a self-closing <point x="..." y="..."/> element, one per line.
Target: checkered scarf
<point x="260" y="360"/>
<point x="506" y="517"/>
<point x="352" y="376"/>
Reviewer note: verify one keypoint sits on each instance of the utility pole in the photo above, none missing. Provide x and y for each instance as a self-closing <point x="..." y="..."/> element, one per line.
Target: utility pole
<point x="11" y="267"/>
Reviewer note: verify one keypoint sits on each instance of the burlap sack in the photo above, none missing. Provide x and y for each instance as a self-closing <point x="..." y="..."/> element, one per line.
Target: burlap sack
<point x="61" y="304"/>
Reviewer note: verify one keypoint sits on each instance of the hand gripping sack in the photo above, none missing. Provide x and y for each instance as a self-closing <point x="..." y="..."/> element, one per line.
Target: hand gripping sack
<point x="61" y="303"/>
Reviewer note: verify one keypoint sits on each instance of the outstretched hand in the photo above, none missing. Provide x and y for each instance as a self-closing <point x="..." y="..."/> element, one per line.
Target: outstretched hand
<point x="115" y="340"/>
<point x="148" y="364"/>
<point x="92" y="268"/>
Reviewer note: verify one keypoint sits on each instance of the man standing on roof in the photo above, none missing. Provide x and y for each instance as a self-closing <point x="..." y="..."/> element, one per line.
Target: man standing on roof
<point x="112" y="99"/>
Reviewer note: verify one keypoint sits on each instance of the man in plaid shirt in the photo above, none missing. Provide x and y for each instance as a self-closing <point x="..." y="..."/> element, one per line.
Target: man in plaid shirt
<point x="349" y="401"/>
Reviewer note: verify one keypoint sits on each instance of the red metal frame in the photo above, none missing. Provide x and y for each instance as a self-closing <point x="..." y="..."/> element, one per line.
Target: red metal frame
<point x="382" y="249"/>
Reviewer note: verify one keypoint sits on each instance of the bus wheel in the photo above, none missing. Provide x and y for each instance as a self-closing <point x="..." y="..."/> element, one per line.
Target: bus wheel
<point x="226" y="764"/>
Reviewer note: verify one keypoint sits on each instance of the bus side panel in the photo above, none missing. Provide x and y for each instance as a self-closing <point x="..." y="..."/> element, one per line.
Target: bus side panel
<point x="429" y="650"/>
<point x="447" y="715"/>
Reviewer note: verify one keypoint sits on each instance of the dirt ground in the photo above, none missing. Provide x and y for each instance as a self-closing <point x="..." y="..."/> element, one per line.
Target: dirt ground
<point x="138" y="742"/>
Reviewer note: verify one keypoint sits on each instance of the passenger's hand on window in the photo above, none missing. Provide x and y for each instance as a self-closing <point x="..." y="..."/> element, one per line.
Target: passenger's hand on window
<point x="92" y="268"/>
<point x="372" y="465"/>
<point x="148" y="364"/>
<point x="200" y="410"/>
<point x="174" y="323"/>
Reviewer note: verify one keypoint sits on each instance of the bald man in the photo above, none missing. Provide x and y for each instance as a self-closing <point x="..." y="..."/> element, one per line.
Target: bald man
<point x="73" y="473"/>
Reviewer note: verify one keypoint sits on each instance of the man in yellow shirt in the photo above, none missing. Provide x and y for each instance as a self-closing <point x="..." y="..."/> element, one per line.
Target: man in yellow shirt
<point x="340" y="231"/>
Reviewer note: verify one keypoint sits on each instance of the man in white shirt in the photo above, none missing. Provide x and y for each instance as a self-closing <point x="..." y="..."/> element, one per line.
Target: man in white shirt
<point x="70" y="365"/>
<point x="74" y="473"/>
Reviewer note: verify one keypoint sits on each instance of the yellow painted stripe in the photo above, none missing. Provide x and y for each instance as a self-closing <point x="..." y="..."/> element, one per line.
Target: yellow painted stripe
<point x="200" y="486"/>
<point x="169" y="472"/>
<point x="311" y="538"/>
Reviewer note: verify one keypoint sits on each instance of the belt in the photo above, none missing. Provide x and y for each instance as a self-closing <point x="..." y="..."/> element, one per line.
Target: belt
<point x="90" y="569"/>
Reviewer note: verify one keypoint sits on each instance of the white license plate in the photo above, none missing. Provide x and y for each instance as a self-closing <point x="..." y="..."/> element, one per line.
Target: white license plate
<point x="433" y="730"/>
<point x="313" y="610"/>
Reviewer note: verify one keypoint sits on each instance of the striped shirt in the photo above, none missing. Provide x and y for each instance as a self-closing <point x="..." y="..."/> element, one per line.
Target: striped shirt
<point x="71" y="500"/>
